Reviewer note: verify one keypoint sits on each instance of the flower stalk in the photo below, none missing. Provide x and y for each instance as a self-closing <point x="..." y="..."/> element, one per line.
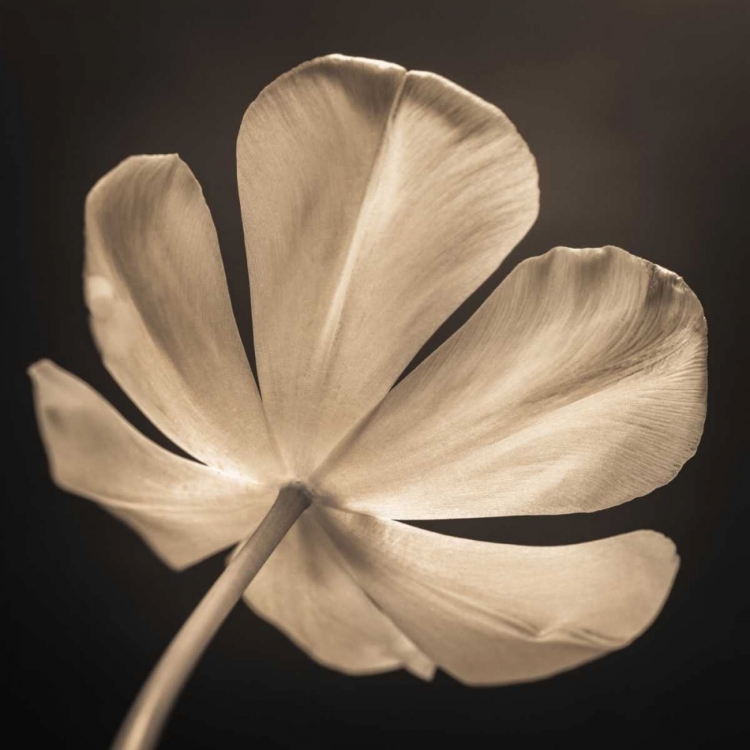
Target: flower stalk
<point x="145" y="720"/>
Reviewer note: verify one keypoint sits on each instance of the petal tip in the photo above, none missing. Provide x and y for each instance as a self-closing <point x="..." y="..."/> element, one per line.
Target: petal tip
<point x="132" y="162"/>
<point x="665" y="545"/>
<point x="36" y="368"/>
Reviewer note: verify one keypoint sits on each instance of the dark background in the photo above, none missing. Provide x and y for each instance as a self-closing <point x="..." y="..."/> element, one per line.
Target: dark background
<point x="637" y="113"/>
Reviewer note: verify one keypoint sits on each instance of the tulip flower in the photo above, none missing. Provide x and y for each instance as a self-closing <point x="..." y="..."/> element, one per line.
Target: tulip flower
<point x="374" y="201"/>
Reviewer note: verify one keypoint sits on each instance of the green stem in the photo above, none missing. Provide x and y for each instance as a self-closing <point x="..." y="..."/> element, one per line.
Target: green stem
<point x="146" y="718"/>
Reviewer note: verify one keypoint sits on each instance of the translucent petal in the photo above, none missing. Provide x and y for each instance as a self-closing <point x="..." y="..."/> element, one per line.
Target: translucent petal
<point x="161" y="314"/>
<point x="374" y="201"/>
<point x="305" y="591"/>
<point x="184" y="511"/>
<point x="491" y="614"/>
<point x="578" y="385"/>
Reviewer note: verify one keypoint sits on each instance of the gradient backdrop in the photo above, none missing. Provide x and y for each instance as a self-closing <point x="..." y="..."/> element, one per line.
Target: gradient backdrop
<point x="637" y="113"/>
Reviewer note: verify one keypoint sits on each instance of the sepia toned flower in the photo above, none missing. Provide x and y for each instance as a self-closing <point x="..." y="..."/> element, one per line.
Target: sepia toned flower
<point x="374" y="201"/>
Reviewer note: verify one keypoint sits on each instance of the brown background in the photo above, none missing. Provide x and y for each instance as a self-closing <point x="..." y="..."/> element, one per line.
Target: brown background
<point x="637" y="113"/>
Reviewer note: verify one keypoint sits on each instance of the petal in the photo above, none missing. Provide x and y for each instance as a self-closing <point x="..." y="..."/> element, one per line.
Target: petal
<point x="374" y="201"/>
<point x="578" y="385"/>
<point x="305" y="591"/>
<point x="183" y="510"/>
<point x="490" y="614"/>
<point x="161" y="315"/>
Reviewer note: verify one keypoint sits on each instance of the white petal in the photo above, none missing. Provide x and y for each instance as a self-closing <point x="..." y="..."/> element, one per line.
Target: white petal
<point x="305" y="592"/>
<point x="184" y="511"/>
<point x="161" y="314"/>
<point x="496" y="613"/>
<point x="374" y="201"/>
<point x="578" y="385"/>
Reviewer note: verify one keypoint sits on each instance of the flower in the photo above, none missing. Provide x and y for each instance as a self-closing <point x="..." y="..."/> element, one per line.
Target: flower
<point x="374" y="201"/>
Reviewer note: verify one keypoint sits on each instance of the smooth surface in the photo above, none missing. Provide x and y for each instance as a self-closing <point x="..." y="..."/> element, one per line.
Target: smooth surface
<point x="374" y="201"/>
<point x="494" y="614"/>
<point x="306" y="591"/>
<point x="185" y="511"/>
<point x="144" y="723"/>
<point x="636" y="113"/>
<point x="538" y="400"/>
<point x="579" y="384"/>
<point x="162" y="318"/>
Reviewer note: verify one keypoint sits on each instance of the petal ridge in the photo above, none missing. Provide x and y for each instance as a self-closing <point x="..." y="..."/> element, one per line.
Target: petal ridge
<point x="365" y="234"/>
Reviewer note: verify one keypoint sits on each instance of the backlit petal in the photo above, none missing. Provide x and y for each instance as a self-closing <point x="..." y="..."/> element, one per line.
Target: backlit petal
<point x="578" y="385"/>
<point x="161" y="315"/>
<point x="185" y="511"/>
<point x="496" y="613"/>
<point x="305" y="591"/>
<point x="374" y="201"/>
